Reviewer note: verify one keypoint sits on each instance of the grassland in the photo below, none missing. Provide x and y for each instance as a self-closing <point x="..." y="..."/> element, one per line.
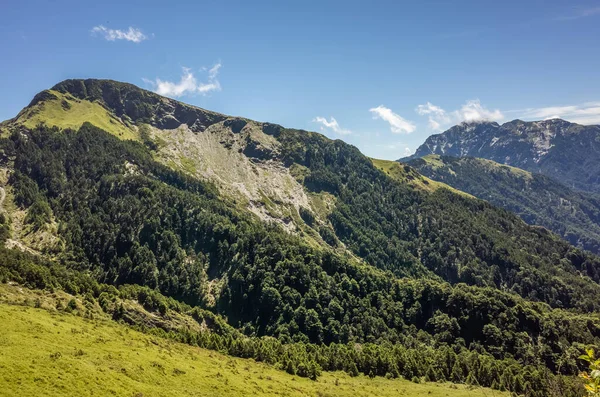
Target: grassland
<point x="45" y="352"/>
<point x="400" y="173"/>
<point x="435" y="161"/>
<point x="65" y="111"/>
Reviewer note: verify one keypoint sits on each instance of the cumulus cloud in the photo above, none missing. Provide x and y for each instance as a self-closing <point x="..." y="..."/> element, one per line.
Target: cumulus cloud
<point x="585" y="113"/>
<point x="397" y="123"/>
<point x="471" y="111"/>
<point x="188" y="83"/>
<point x="131" y="34"/>
<point x="332" y="125"/>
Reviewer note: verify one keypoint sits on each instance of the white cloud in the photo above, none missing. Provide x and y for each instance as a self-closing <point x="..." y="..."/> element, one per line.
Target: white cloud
<point x="131" y="34"/>
<point x="585" y="113"/>
<point x="437" y="115"/>
<point x="188" y="84"/>
<point x="471" y="111"/>
<point x="398" y="124"/>
<point x="214" y="71"/>
<point x="332" y="124"/>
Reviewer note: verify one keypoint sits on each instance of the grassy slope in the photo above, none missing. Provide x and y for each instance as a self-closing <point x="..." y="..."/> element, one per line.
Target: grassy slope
<point x="54" y="112"/>
<point x="435" y="160"/>
<point x="50" y="353"/>
<point x="411" y="177"/>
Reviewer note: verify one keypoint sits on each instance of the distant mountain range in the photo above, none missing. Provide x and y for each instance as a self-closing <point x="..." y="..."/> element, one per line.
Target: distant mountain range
<point x="567" y="152"/>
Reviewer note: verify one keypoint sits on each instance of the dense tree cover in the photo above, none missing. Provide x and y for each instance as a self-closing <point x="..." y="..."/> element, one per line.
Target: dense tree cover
<point x="127" y="219"/>
<point x="537" y="199"/>
<point x="416" y="357"/>
<point x="459" y="239"/>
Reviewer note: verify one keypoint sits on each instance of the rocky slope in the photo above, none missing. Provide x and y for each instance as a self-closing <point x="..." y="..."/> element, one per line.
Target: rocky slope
<point x="241" y="157"/>
<point x="567" y="152"/>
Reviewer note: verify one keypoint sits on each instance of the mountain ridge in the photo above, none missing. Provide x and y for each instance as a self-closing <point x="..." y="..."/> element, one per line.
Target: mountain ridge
<point x="562" y="150"/>
<point x="537" y="199"/>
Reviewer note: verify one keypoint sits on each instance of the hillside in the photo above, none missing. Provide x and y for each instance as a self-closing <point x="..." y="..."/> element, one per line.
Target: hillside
<point x="567" y="152"/>
<point x="46" y="352"/>
<point x="293" y="240"/>
<point x="408" y="175"/>
<point x="537" y="199"/>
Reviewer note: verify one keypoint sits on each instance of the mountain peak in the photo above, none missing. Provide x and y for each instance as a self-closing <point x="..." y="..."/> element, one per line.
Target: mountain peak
<point x="549" y="146"/>
<point x="113" y="106"/>
<point x="468" y="126"/>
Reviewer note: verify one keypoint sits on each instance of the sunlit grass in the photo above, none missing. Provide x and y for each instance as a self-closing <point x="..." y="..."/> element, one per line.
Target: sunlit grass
<point x="68" y="112"/>
<point x="396" y="171"/>
<point x="49" y="353"/>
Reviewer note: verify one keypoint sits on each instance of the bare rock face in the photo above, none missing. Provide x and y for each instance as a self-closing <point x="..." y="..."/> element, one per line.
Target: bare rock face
<point x="259" y="151"/>
<point x="235" y="124"/>
<point x="557" y="148"/>
<point x="241" y="157"/>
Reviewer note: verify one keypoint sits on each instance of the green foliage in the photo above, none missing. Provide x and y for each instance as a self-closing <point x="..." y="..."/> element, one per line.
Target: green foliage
<point x="129" y="220"/>
<point x="441" y="234"/>
<point x="591" y="379"/>
<point x="48" y="353"/>
<point x="39" y="213"/>
<point x="4" y="228"/>
<point x="537" y="199"/>
<point x="26" y="190"/>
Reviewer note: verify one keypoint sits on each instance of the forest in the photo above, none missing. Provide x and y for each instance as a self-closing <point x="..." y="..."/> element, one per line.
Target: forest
<point x="440" y="286"/>
<point x="535" y="198"/>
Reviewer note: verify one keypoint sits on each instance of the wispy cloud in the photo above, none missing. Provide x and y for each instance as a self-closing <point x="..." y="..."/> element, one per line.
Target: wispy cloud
<point x="568" y="14"/>
<point x="585" y="113"/>
<point x="579" y="13"/>
<point x="437" y="116"/>
<point x="398" y="124"/>
<point x="131" y="34"/>
<point x="332" y="125"/>
<point x="471" y="111"/>
<point x="188" y="83"/>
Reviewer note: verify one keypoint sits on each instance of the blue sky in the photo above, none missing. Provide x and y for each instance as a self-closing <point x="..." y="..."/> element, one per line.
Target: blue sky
<point x="380" y="75"/>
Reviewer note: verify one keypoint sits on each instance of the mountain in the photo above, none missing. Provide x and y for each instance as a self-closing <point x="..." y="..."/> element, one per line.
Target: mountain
<point x="537" y="199"/>
<point x="567" y="152"/>
<point x="409" y="176"/>
<point x="284" y="246"/>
